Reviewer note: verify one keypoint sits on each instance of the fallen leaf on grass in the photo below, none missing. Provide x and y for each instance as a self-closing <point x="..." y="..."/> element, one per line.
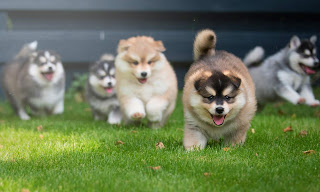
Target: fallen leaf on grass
<point x="293" y="116"/>
<point x="257" y="155"/>
<point x="1" y="146"/>
<point x="159" y="145"/>
<point x="155" y="168"/>
<point x="133" y="131"/>
<point x="309" y="152"/>
<point x="40" y="128"/>
<point x="253" y="131"/>
<point x="206" y="174"/>
<point x="119" y="142"/>
<point x="303" y="133"/>
<point x="287" y="129"/>
<point x="280" y="112"/>
<point x="87" y="109"/>
<point x="41" y="136"/>
<point x="78" y="98"/>
<point x="226" y="149"/>
<point x="25" y="190"/>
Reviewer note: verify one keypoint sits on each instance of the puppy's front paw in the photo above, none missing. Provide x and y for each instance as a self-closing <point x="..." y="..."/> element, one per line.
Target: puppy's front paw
<point x="301" y="100"/>
<point x="316" y="103"/>
<point x="137" y="116"/>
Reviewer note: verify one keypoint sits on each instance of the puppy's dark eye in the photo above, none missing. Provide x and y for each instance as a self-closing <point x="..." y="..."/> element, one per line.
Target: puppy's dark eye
<point x="227" y="98"/>
<point x="135" y="62"/>
<point x="210" y="98"/>
<point x="149" y="62"/>
<point x="101" y="77"/>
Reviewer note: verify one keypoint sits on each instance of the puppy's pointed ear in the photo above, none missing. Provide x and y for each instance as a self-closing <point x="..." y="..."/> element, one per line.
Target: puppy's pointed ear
<point x="313" y="39"/>
<point x="159" y="46"/>
<point x="236" y="82"/>
<point x="294" y="42"/>
<point x="123" y="45"/>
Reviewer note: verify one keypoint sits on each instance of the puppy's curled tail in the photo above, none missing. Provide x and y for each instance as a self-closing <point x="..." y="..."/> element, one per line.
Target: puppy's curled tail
<point x="107" y="57"/>
<point x="254" y="56"/>
<point x="204" y="44"/>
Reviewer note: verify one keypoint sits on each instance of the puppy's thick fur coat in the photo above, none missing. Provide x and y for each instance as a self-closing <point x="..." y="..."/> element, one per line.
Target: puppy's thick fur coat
<point x="285" y="74"/>
<point x="218" y="96"/>
<point x="146" y="82"/>
<point x="35" y="80"/>
<point x="100" y="90"/>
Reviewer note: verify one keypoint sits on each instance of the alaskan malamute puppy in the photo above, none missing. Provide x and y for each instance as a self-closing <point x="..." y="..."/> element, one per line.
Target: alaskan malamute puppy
<point x="285" y="74"/>
<point x="218" y="96"/>
<point x="100" y="90"/>
<point x="35" y="80"/>
<point x="146" y="83"/>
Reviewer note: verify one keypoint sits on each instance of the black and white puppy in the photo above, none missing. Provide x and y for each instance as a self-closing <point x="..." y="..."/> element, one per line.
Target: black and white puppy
<point x="285" y="74"/>
<point x="100" y="90"/>
<point x="36" y="80"/>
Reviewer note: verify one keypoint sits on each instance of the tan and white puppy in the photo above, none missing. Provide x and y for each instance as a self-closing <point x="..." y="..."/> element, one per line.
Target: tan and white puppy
<point x="35" y="80"/>
<point x="146" y="82"/>
<point x="218" y="96"/>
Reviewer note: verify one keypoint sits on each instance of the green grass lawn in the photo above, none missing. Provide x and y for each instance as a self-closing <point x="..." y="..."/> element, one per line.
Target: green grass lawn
<point x="74" y="153"/>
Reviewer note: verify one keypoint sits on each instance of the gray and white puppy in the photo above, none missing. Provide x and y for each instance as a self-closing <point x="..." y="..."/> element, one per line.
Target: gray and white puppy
<point x="285" y="74"/>
<point x="100" y="90"/>
<point x="35" y="80"/>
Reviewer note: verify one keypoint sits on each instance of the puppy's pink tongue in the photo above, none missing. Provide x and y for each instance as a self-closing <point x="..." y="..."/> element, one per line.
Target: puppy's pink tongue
<point x="308" y="70"/>
<point x="109" y="89"/>
<point x="142" y="81"/>
<point x="218" y="119"/>
<point x="48" y="76"/>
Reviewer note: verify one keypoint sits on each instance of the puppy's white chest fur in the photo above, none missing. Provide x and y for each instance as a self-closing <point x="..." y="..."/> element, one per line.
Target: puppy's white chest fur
<point x="146" y="91"/>
<point x="49" y="97"/>
<point x="104" y="106"/>
<point x="291" y="79"/>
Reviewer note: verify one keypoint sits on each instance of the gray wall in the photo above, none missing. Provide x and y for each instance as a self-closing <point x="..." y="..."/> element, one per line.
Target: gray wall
<point x="81" y="30"/>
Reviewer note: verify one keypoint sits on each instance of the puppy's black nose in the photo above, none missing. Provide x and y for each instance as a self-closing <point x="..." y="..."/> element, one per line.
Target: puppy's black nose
<point x="219" y="110"/>
<point x="50" y="68"/>
<point x="109" y="83"/>
<point x="144" y="74"/>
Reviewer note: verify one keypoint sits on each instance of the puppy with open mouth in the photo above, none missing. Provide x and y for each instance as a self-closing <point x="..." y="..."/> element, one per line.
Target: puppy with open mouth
<point x="146" y="82"/>
<point x="36" y="80"/>
<point x="285" y="74"/>
<point x="100" y="90"/>
<point x="218" y="96"/>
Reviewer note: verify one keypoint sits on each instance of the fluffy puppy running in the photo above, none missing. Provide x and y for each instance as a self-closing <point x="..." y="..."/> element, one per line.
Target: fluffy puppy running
<point x="285" y="74"/>
<point x="218" y="96"/>
<point x="146" y="83"/>
<point x="100" y="90"/>
<point x="35" y="80"/>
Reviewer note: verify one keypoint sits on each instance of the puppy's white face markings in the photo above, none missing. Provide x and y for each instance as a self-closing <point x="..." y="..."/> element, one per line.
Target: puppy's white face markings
<point x="112" y="71"/>
<point x="106" y="66"/>
<point x="294" y="59"/>
<point x="42" y="59"/>
<point x="47" y="55"/>
<point x="101" y="73"/>
<point x="52" y="59"/>
<point x="307" y="52"/>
